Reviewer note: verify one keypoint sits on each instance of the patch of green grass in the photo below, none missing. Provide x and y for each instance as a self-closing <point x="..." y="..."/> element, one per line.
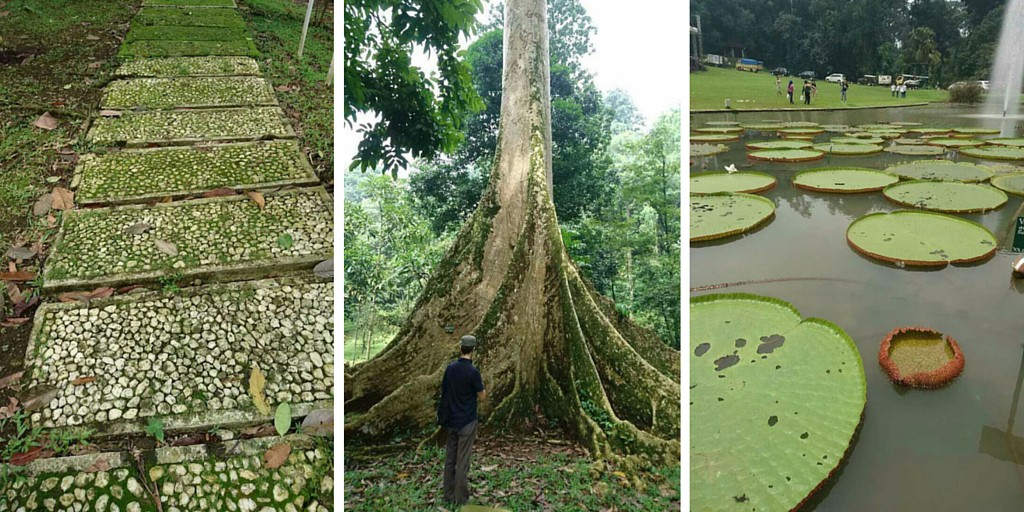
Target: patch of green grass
<point x="709" y="90"/>
<point x="61" y="441"/>
<point x="355" y="349"/>
<point x="277" y="25"/>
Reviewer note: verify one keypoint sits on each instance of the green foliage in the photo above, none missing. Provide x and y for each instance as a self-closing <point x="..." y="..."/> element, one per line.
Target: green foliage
<point x="283" y="418"/>
<point x="168" y="283"/>
<point x="155" y="428"/>
<point x="970" y="93"/>
<point x="285" y="241"/>
<point x="60" y="441"/>
<point x="23" y="438"/>
<point x="380" y="36"/>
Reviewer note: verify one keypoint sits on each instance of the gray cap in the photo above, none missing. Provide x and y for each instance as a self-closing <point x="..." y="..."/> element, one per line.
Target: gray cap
<point x="468" y="341"/>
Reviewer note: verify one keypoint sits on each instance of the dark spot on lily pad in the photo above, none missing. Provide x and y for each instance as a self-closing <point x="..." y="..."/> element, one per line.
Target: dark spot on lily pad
<point x="726" y="361"/>
<point x="740" y="342"/>
<point x="770" y="343"/>
<point x="740" y="499"/>
<point x="772" y="420"/>
<point x="702" y="349"/>
<point x="805" y="435"/>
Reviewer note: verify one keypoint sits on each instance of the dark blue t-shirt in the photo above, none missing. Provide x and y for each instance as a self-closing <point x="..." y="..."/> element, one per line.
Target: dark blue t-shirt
<point x="460" y="385"/>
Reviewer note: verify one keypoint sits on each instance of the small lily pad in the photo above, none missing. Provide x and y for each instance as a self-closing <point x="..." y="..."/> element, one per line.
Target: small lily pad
<point x="844" y="180"/>
<point x="942" y="170"/>
<point x="779" y="144"/>
<point x="848" y="149"/>
<point x="746" y="182"/>
<point x="720" y="215"/>
<point x="946" y="196"/>
<point x="918" y="238"/>
<point x="920" y="357"/>
<point x="836" y="128"/>
<point x="800" y="124"/>
<point x="786" y="155"/>
<point x="1005" y="153"/>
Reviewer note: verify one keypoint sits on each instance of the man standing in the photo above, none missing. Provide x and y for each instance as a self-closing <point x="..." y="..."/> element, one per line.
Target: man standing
<point x="461" y="387"/>
<point x="778" y="85"/>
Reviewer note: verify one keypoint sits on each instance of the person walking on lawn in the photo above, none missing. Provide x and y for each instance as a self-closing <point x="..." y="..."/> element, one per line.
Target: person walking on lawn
<point x="461" y="388"/>
<point x="790" y="89"/>
<point x="778" y="85"/>
<point x="843" y="88"/>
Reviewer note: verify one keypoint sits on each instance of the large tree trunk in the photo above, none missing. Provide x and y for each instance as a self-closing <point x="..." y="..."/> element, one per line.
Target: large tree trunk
<point x="548" y="342"/>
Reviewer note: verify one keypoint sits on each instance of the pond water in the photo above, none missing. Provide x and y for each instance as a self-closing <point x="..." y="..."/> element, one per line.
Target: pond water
<point x="918" y="450"/>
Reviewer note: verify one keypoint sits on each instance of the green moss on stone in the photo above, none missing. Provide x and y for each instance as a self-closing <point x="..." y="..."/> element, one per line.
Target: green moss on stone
<point x="188" y="66"/>
<point x="185" y="33"/>
<point x="187" y="92"/>
<point x="211" y="17"/>
<point x="167" y="126"/>
<point x="187" y="49"/>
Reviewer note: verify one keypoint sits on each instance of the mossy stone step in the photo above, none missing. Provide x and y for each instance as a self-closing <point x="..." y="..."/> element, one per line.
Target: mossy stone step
<point x="188" y="92"/>
<point x="189" y="3"/>
<point x="199" y="477"/>
<point x="134" y="176"/>
<point x="138" y="129"/>
<point x="212" y="17"/>
<point x="219" y="237"/>
<point x="154" y="48"/>
<point x="184" y="33"/>
<point x="184" y="356"/>
<point x="188" y="66"/>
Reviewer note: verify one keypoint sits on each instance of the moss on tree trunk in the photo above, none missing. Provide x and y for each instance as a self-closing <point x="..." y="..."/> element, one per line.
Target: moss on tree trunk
<point x="550" y="346"/>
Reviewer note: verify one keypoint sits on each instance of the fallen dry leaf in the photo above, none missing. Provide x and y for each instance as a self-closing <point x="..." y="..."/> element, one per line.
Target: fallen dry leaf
<point x="95" y="65"/>
<point x="20" y="276"/>
<point x="38" y="397"/>
<point x="218" y="192"/>
<point x="319" y="423"/>
<point x="43" y="205"/>
<point x="22" y="306"/>
<point x="257" y="384"/>
<point x="14" y="322"/>
<point x="276" y="455"/>
<point x="14" y="292"/>
<point x="261" y="430"/>
<point x="138" y="228"/>
<point x="46" y="122"/>
<point x="99" y="293"/>
<point x="92" y="37"/>
<point x="23" y="458"/>
<point x="51" y="221"/>
<point x="167" y="248"/>
<point x="63" y="199"/>
<point x="82" y="381"/>
<point x="100" y="464"/>
<point x="110" y="113"/>
<point x="21" y="253"/>
<point x="8" y="410"/>
<point x="13" y="378"/>
<point x="258" y="199"/>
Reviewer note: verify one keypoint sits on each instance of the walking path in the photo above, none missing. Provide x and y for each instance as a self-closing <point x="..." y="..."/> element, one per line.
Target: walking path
<point x="190" y="95"/>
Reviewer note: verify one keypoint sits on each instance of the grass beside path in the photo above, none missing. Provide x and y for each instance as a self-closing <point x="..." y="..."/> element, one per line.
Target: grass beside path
<point x="522" y="474"/>
<point x="709" y="90"/>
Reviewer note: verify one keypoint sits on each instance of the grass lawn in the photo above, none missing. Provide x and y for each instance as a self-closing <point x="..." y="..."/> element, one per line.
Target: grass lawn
<point x="355" y="350"/>
<point x="521" y="474"/>
<point x="709" y="90"/>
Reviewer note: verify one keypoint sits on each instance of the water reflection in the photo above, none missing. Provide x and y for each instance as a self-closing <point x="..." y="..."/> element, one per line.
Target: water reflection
<point x="1005" y="445"/>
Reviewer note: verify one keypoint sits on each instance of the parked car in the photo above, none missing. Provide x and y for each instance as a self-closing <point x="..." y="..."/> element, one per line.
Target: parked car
<point x="984" y="85"/>
<point x="749" y="65"/>
<point x="912" y="84"/>
<point x="836" y="78"/>
<point x="780" y="72"/>
<point x="807" y="75"/>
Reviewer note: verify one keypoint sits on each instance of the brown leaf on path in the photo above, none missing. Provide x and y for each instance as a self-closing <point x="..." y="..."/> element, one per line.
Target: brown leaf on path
<point x="22" y="306"/>
<point x="46" y="122"/>
<point x="11" y="379"/>
<point x="4" y="14"/>
<point x="17" y="276"/>
<point x="63" y="199"/>
<point x="38" y="397"/>
<point x="95" y="65"/>
<point x="101" y="293"/>
<point x="100" y="464"/>
<point x="319" y="422"/>
<point x="261" y="430"/>
<point x="14" y="322"/>
<point x="166" y="247"/>
<point x="81" y="381"/>
<point x="51" y="221"/>
<point x="258" y="199"/>
<point x="14" y="292"/>
<point x="43" y="205"/>
<point x="25" y="457"/>
<point x="257" y="385"/>
<point x="110" y="113"/>
<point x="138" y="228"/>
<point x="218" y="192"/>
<point x="276" y="455"/>
<point x="92" y="37"/>
<point x="128" y="289"/>
<point x="8" y="410"/>
<point x="12" y="266"/>
<point x="73" y="297"/>
<point x="21" y="253"/>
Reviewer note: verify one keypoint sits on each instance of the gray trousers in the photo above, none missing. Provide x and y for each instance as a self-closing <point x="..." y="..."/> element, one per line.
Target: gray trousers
<point x="456" y="463"/>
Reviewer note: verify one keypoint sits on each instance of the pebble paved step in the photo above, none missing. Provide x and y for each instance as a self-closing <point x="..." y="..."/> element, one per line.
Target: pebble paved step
<point x="189" y="92"/>
<point x="188" y="66"/>
<point x="138" y="129"/>
<point x="187" y="49"/>
<point x="189" y="3"/>
<point x="185" y="357"/>
<point x="230" y="476"/>
<point x="219" y="237"/>
<point x="171" y="16"/>
<point x="184" y="33"/>
<point x="140" y="175"/>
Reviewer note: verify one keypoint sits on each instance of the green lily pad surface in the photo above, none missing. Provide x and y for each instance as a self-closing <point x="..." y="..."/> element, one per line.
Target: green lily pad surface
<point x="801" y="131"/>
<point x="848" y="149"/>
<point x="946" y="196"/>
<point x="887" y="134"/>
<point x="721" y="215"/>
<point x="800" y="124"/>
<point x="775" y="402"/>
<point x="910" y="142"/>
<point x="747" y="182"/>
<point x="921" y="238"/>
<point x="877" y="127"/>
<point x="1011" y="183"/>
<point x="836" y="128"/>
<point x="915" y="150"/>
<point x="844" y="180"/>
<point x="977" y="131"/>
<point x="955" y="143"/>
<point x="1007" y="153"/>
<point x="942" y="170"/>
<point x="714" y="137"/>
<point x="929" y="131"/>
<point x="720" y="129"/>
<point x="779" y="144"/>
<point x="786" y="155"/>
<point x="857" y="140"/>
<point x="905" y="124"/>
<point x="1006" y="142"/>
<point x="763" y="127"/>
<point x="698" y="150"/>
<point x="722" y="123"/>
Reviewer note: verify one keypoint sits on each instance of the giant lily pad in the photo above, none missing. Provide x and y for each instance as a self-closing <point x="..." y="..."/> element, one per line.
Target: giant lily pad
<point x="848" y="149"/>
<point x="844" y="180"/>
<point x="775" y="402"/>
<point x="779" y="144"/>
<point x="941" y="170"/>
<point x="801" y="132"/>
<point x="836" y="128"/>
<point x="720" y="129"/>
<point x="699" y="150"/>
<point x="800" y="124"/>
<point x="722" y="123"/>
<point x="930" y="131"/>
<point x="721" y="215"/>
<point x="1006" y="142"/>
<point x="915" y="150"/>
<point x="977" y="131"/>
<point x="946" y="196"/>
<point x="714" y="137"/>
<point x="877" y="127"/>
<point x="949" y="142"/>
<point x="906" y="124"/>
<point x="1006" y="153"/>
<point x="920" y="357"/>
<point x="763" y="127"/>
<point x="857" y="140"/>
<point x="920" y="238"/>
<point x="910" y="142"/>
<point x="887" y="134"/>
<point x="1012" y="183"/>
<point x="747" y="182"/>
<point x="786" y="155"/>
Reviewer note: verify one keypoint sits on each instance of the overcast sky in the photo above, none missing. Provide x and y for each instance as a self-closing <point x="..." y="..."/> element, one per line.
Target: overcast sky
<point x="639" y="47"/>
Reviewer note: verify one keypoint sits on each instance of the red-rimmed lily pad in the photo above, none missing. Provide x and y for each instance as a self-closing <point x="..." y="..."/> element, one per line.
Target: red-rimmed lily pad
<point x="1010" y="183"/>
<point x="946" y="196"/>
<point x="844" y="180"/>
<point x="720" y="129"/>
<point x="775" y="402"/>
<point x="920" y="357"/>
<point x="786" y="155"/>
<point x="848" y="149"/>
<point x="915" y="150"/>
<point x="919" y="238"/>
<point x="714" y="137"/>
<point x="941" y="170"/>
<point x="714" y="216"/>
<point x="950" y="142"/>
<point x="977" y="131"/>
<point x="701" y="150"/>
<point x="1004" y="153"/>
<point x="746" y="182"/>
<point x="779" y="144"/>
